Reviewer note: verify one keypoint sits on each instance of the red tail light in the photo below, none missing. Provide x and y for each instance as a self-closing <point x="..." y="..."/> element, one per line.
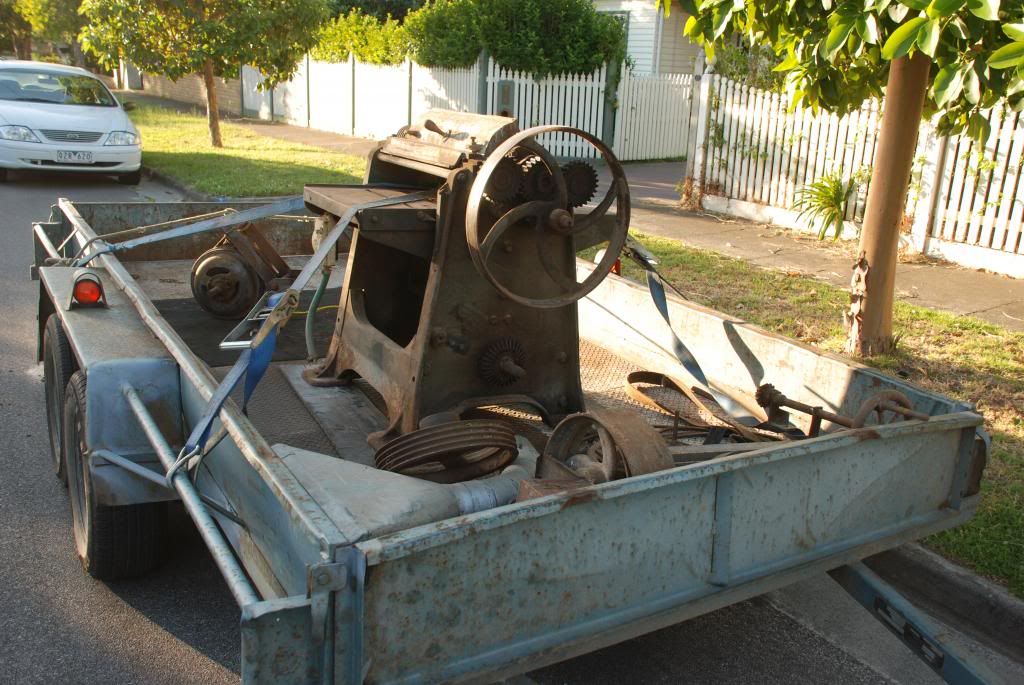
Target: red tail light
<point x="87" y="291"/>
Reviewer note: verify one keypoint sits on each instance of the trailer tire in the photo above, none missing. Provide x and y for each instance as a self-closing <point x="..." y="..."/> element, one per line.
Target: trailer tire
<point x="58" y="365"/>
<point x="111" y="542"/>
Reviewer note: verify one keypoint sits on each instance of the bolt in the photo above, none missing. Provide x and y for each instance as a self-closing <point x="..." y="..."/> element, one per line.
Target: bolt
<point x="323" y="578"/>
<point x="563" y="402"/>
<point x="562" y="357"/>
<point x="506" y="245"/>
<point x="508" y="319"/>
<point x="493" y="319"/>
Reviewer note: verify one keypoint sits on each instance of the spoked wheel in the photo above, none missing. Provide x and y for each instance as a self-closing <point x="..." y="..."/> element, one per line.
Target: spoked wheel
<point x="111" y="542"/>
<point x="58" y="365"/>
<point x="549" y="211"/>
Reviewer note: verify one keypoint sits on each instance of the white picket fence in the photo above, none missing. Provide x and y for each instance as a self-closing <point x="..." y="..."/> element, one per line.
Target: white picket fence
<point x="753" y="155"/>
<point x="576" y="100"/>
<point x="652" y="113"/>
<point x="653" y="117"/>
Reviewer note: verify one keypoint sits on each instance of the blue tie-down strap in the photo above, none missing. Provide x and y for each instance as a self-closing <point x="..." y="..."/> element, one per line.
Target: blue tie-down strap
<point x="656" y="287"/>
<point x="252" y="363"/>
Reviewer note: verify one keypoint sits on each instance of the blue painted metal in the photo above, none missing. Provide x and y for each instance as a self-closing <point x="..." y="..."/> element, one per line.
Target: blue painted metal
<point x="516" y="587"/>
<point x="927" y="639"/>
<point x="292" y="204"/>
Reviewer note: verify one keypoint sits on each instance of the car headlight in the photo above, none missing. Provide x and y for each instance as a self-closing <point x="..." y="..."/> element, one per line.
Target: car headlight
<point x="20" y="134"/>
<point x="122" y="138"/>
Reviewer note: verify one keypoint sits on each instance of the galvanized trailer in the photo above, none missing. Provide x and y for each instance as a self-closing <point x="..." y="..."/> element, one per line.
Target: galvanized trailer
<point x="344" y="573"/>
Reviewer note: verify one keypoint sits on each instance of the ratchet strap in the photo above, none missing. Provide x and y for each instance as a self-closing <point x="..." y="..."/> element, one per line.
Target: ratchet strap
<point x="254" y="360"/>
<point x="653" y="378"/>
<point x="638" y="253"/>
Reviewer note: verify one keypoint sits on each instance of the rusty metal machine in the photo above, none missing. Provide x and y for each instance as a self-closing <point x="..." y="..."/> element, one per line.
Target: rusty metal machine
<point x="466" y="298"/>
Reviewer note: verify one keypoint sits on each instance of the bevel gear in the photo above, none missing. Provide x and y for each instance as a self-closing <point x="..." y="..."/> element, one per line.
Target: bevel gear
<point x="502" y="362"/>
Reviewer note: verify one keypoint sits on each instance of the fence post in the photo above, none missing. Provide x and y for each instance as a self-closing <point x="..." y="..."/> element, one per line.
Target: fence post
<point x="483" y="68"/>
<point x="703" y="107"/>
<point x="612" y="81"/>
<point x="934" y="154"/>
<point x="408" y="95"/>
<point x="352" y="63"/>
<point x="309" y="117"/>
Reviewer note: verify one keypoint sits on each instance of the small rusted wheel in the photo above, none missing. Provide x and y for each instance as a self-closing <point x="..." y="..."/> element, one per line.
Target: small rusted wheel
<point x="223" y="284"/>
<point x="606" y="445"/>
<point x="554" y="214"/>
<point x="881" y="407"/>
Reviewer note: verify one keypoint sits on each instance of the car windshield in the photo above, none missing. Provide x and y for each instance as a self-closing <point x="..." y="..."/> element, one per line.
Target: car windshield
<point x="60" y="89"/>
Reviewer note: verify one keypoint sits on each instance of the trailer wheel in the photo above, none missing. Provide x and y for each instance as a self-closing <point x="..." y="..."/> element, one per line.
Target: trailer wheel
<point x="58" y="365"/>
<point x="111" y="542"/>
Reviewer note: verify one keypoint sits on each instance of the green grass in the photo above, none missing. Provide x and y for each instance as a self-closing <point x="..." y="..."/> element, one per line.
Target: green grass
<point x="249" y="164"/>
<point x="957" y="356"/>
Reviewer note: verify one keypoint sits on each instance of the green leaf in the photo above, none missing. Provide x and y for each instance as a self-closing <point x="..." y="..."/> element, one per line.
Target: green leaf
<point x="691" y="25"/>
<point x="928" y="38"/>
<point x="789" y="63"/>
<point x="958" y="28"/>
<point x="902" y="39"/>
<point x="835" y="39"/>
<point x="978" y="128"/>
<point x="1014" y="31"/>
<point x="972" y="87"/>
<point x="721" y="16"/>
<point x="948" y="84"/>
<point x="867" y="27"/>
<point x="897" y="12"/>
<point x="1007" y="56"/>
<point x="918" y="5"/>
<point x="984" y="9"/>
<point x="944" y="8"/>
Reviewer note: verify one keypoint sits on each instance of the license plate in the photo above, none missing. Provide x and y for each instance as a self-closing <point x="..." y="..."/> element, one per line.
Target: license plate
<point x="72" y="157"/>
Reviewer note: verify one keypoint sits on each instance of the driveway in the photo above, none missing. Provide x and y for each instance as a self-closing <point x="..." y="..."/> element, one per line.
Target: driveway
<point x="181" y="624"/>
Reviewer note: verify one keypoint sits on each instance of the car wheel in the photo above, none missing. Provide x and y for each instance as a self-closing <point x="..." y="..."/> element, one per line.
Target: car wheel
<point x="131" y="179"/>
<point x="58" y="365"/>
<point x="111" y="542"/>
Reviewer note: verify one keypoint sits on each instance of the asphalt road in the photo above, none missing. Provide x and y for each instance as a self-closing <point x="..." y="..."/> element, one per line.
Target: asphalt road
<point x="181" y="625"/>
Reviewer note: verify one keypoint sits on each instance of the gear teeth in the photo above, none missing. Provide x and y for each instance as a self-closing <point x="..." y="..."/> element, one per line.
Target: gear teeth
<point x="490" y="361"/>
<point x="581" y="181"/>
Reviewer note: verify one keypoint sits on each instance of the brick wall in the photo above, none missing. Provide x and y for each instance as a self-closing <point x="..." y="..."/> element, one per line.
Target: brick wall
<point x="190" y="89"/>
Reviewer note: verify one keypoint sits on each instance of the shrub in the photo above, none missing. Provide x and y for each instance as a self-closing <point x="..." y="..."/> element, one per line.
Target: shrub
<point x="369" y="39"/>
<point x="826" y="200"/>
<point x="536" y="36"/>
<point x="445" y="33"/>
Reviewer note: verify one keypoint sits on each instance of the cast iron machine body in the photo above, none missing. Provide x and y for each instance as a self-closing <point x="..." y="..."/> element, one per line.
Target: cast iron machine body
<point x="467" y="298"/>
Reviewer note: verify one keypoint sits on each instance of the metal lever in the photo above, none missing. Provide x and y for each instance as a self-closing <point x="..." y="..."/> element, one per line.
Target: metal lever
<point x="434" y="128"/>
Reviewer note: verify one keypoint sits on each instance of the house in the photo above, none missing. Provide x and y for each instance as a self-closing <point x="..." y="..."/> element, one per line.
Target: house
<point x="654" y="42"/>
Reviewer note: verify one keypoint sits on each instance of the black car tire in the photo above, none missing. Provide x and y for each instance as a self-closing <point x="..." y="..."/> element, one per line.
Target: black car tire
<point x="58" y="365"/>
<point x="111" y="542"/>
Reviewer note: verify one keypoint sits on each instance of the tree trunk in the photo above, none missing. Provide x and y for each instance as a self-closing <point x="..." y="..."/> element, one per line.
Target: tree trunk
<point x="874" y="279"/>
<point x="212" y="111"/>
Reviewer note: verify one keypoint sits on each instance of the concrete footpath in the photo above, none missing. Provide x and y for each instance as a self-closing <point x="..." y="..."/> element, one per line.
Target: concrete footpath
<point x="926" y="282"/>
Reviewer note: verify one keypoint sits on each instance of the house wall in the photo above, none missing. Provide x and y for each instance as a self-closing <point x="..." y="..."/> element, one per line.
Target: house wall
<point x="656" y="44"/>
<point x="678" y="54"/>
<point x="643" y="30"/>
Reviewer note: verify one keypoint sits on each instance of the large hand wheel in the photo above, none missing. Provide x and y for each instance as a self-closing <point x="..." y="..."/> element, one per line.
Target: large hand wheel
<point x="553" y="215"/>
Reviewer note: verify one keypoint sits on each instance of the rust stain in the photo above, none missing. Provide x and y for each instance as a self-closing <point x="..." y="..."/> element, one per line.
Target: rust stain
<point x="868" y="434"/>
<point x="579" y="498"/>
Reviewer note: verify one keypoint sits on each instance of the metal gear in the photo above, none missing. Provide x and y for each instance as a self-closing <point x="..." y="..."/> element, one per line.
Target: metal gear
<point x="581" y="181"/>
<point x="538" y="183"/>
<point x="223" y="284"/>
<point x="506" y="184"/>
<point x="502" y="362"/>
